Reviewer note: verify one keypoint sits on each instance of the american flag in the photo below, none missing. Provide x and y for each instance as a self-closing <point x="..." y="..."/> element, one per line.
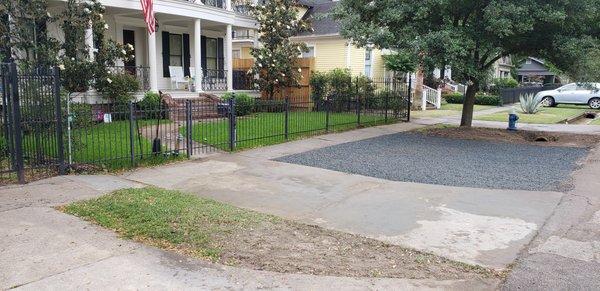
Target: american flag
<point x="148" y="9"/>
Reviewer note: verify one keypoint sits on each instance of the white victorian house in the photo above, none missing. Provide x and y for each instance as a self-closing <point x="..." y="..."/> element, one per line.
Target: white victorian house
<point x="193" y="39"/>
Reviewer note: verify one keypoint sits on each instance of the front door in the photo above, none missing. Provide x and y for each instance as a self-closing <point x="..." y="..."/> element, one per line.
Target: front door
<point x="129" y="38"/>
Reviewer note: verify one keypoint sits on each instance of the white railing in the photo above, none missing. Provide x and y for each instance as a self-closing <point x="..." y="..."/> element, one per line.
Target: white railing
<point x="460" y="88"/>
<point x="431" y="96"/>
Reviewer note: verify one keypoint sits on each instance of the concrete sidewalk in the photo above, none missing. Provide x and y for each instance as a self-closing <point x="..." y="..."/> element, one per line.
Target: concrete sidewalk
<point x="42" y="248"/>
<point x="488" y="227"/>
<point x="568" y="128"/>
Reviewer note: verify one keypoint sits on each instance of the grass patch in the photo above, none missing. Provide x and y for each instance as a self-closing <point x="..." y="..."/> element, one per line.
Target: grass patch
<point x="595" y="121"/>
<point x="546" y="115"/>
<point x="208" y="229"/>
<point x="104" y="145"/>
<point x="167" y="219"/>
<point x="261" y="129"/>
<point x="447" y="109"/>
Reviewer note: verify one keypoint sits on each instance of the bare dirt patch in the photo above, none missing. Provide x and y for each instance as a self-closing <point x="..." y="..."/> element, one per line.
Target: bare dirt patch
<point x="290" y="247"/>
<point x="212" y="230"/>
<point x="540" y="138"/>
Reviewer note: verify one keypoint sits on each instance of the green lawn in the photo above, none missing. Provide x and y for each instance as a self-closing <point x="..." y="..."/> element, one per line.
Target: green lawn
<point x="596" y="121"/>
<point x="446" y="110"/>
<point x="168" y="219"/>
<point x="103" y="144"/>
<point x="546" y="115"/>
<point x="262" y="129"/>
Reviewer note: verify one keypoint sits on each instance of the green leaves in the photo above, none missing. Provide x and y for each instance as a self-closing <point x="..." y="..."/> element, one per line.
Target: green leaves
<point x="470" y="35"/>
<point x="275" y="60"/>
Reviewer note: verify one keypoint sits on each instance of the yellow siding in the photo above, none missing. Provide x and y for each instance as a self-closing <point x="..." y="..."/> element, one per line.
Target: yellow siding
<point x="329" y="54"/>
<point x="333" y="53"/>
<point x="378" y="66"/>
<point x="357" y="61"/>
<point x="245" y="52"/>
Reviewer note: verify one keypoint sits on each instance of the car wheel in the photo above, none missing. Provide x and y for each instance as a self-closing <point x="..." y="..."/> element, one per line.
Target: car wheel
<point x="594" y="103"/>
<point x="548" y="101"/>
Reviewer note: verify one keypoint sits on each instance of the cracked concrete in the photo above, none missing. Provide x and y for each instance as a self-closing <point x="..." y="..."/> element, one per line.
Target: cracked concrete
<point x="42" y="248"/>
<point x="489" y="227"/>
<point x="565" y="254"/>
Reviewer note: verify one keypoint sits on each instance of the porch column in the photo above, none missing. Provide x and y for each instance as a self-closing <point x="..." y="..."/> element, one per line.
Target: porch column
<point x="89" y="41"/>
<point x="228" y="4"/>
<point x="153" y="74"/>
<point x="228" y="61"/>
<point x="198" y="55"/>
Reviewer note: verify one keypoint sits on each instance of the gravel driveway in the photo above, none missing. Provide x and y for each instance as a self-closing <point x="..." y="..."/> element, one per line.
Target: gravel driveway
<point x="414" y="157"/>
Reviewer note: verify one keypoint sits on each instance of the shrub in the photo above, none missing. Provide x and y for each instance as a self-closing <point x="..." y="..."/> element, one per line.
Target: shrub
<point x="364" y="87"/>
<point x="454" y="98"/>
<point x="340" y="83"/>
<point x="394" y="100"/>
<point x="82" y="115"/>
<point x="151" y="105"/>
<point x="244" y="103"/>
<point x="318" y="82"/>
<point x="480" y="99"/>
<point x="502" y="83"/>
<point x="151" y="101"/>
<point x="485" y="99"/>
<point x="118" y="87"/>
<point x="530" y="104"/>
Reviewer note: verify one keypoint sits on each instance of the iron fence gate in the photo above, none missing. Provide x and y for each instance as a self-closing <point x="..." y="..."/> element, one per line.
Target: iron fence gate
<point x="45" y="133"/>
<point x="31" y="141"/>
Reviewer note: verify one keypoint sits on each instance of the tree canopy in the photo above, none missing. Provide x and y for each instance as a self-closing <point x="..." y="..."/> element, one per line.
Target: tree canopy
<point x="471" y="35"/>
<point x="276" y="57"/>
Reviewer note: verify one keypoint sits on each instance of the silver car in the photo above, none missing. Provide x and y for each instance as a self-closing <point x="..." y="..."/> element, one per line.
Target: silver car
<point x="574" y="93"/>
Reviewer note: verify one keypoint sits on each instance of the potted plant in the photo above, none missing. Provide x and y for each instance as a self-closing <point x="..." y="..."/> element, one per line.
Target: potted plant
<point x="191" y="84"/>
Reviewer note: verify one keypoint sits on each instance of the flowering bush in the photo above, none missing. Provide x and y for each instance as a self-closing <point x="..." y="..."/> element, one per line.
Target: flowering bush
<point x="275" y="60"/>
<point x="118" y="87"/>
<point x="79" y="71"/>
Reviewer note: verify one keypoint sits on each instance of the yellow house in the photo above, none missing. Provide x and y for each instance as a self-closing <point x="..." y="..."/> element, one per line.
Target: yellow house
<point x="330" y="49"/>
<point x="325" y="43"/>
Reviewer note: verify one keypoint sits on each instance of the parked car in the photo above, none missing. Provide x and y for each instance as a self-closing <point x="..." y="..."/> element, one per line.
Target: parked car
<point x="574" y="93"/>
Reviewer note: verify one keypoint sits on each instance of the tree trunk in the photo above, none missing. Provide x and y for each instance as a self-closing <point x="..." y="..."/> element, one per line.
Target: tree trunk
<point x="418" y="87"/>
<point x="468" y="104"/>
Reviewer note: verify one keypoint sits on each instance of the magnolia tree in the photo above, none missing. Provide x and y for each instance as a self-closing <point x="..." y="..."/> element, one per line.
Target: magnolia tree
<point x="471" y="35"/>
<point x="275" y="59"/>
<point x="24" y="37"/>
<point x="23" y="33"/>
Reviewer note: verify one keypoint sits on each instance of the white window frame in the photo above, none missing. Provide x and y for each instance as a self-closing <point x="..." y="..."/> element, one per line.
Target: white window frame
<point x="313" y="46"/>
<point x="370" y="52"/>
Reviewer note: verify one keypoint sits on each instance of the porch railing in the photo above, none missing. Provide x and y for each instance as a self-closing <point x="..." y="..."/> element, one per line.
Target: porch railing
<point x="213" y="3"/>
<point x="243" y="35"/>
<point x="242" y="80"/>
<point x="431" y="96"/>
<point x="142" y="74"/>
<point x="214" y="80"/>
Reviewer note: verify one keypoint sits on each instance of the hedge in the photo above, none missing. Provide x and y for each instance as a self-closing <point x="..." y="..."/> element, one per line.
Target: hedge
<point x="480" y="99"/>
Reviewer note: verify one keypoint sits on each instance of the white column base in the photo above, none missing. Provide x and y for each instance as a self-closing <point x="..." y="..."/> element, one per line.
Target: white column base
<point x="152" y="62"/>
<point x="198" y="55"/>
<point x="228" y="58"/>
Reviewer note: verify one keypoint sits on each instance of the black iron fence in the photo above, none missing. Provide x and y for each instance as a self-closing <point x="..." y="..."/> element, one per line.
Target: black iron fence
<point x="46" y="134"/>
<point x="511" y="95"/>
<point x="242" y="80"/>
<point x="31" y="139"/>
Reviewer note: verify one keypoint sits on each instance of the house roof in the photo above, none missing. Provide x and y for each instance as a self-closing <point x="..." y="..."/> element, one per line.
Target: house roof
<point x="321" y="23"/>
<point x="535" y="67"/>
